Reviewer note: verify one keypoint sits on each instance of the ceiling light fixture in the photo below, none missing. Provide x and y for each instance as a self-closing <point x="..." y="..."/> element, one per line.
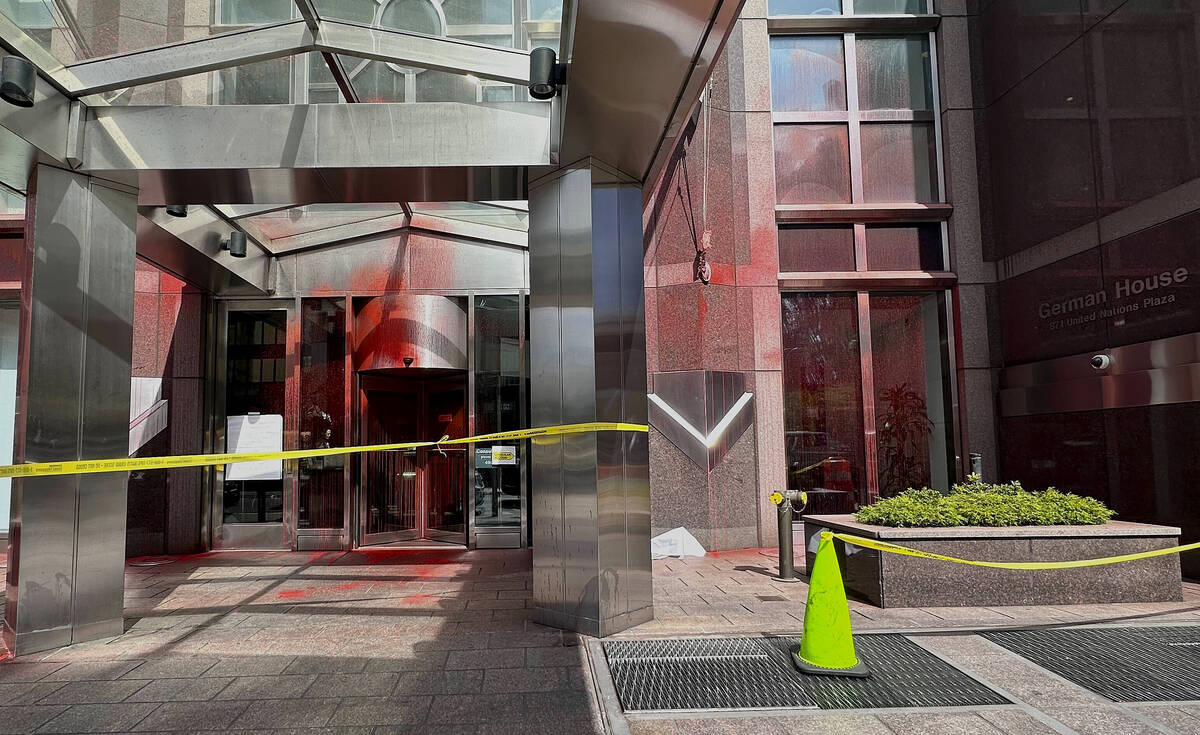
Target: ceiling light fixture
<point x="18" y="79"/>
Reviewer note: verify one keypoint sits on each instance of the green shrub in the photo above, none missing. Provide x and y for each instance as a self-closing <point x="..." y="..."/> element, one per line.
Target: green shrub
<point x="977" y="503"/>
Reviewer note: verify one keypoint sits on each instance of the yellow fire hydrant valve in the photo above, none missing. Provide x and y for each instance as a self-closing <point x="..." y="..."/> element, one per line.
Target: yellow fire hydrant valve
<point x="776" y="498"/>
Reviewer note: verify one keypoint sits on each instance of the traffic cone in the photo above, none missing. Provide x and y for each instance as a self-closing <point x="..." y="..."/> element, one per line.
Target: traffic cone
<point x="828" y="645"/>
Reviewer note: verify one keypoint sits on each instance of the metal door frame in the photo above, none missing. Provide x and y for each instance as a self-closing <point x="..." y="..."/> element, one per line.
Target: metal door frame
<point x="421" y="532"/>
<point x="252" y="535"/>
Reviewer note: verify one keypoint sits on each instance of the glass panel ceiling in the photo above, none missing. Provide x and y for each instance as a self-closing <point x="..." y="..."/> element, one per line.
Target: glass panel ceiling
<point x="307" y="80"/>
<point x="288" y="80"/>
<point x="302" y="220"/>
<point x="482" y="21"/>
<point x="76" y="30"/>
<point x="79" y="30"/>
<point x="483" y="214"/>
<point x="11" y="203"/>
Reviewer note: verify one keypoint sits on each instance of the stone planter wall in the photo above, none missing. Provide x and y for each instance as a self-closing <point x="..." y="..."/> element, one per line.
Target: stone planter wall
<point x="892" y="580"/>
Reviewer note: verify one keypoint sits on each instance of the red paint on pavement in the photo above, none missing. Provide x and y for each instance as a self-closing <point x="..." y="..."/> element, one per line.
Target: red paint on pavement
<point x="420" y="599"/>
<point x="303" y="594"/>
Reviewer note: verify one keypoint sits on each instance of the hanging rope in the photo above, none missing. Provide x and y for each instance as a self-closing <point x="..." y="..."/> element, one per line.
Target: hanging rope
<point x="703" y="269"/>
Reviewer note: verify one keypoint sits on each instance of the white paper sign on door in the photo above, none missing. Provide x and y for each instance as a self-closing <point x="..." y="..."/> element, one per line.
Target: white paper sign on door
<point x="255" y="433"/>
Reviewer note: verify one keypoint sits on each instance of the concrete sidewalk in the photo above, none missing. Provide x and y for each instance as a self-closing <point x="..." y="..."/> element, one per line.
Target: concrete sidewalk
<point x="433" y="641"/>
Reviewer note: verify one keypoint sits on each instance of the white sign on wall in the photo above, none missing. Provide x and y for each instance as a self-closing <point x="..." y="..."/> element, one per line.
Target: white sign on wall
<point x="255" y="433"/>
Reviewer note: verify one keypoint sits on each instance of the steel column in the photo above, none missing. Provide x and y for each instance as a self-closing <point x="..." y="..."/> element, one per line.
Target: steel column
<point x="591" y="492"/>
<point x="67" y="555"/>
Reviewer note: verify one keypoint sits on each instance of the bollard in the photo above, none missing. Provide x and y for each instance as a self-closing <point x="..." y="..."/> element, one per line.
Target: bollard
<point x="976" y="463"/>
<point x="785" y="502"/>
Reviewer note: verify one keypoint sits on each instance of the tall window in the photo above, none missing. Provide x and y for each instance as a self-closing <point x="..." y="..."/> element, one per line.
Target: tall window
<point x="321" y="487"/>
<point x="854" y="120"/>
<point x="858" y="204"/>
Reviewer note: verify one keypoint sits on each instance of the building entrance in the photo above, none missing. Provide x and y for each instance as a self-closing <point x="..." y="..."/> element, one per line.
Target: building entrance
<point x="413" y="494"/>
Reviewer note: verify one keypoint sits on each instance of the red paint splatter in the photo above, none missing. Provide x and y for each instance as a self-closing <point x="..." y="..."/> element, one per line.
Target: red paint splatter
<point x="303" y="594"/>
<point x="419" y="599"/>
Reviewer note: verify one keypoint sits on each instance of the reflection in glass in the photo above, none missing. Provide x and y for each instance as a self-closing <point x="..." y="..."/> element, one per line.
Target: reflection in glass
<point x="888" y="7"/>
<point x="488" y="22"/>
<point x="808" y="73"/>
<point x="11" y="202"/>
<point x="894" y="73"/>
<point x="320" y="497"/>
<point x="9" y="341"/>
<point x="254" y="12"/>
<point x="812" y="164"/>
<point x="497" y="407"/>
<point x="905" y="248"/>
<point x="822" y="400"/>
<point x="419" y="16"/>
<point x="912" y="427"/>
<point x="313" y="217"/>
<point x="515" y="216"/>
<point x="804" y="7"/>
<point x="255" y="375"/>
<point x="816" y="248"/>
<point x="545" y="9"/>
<point x="899" y="162"/>
<point x="261" y="83"/>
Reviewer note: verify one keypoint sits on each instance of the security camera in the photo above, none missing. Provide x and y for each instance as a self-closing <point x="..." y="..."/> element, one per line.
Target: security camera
<point x="236" y="244"/>
<point x="545" y="74"/>
<point x="177" y="210"/>
<point x="18" y="78"/>
<point x="1101" y="362"/>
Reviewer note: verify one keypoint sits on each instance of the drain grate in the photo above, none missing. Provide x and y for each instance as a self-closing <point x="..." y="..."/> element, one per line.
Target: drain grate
<point x="1123" y="664"/>
<point x="757" y="673"/>
<point x="902" y="675"/>
<point x="700" y="674"/>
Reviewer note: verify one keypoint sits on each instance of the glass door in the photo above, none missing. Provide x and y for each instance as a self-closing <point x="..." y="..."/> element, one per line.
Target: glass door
<point x="413" y="493"/>
<point x="389" y="479"/>
<point x="444" y="471"/>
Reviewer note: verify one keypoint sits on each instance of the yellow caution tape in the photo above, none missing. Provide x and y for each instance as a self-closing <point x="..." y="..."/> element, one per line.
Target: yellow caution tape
<point x="869" y="543"/>
<point x="91" y="466"/>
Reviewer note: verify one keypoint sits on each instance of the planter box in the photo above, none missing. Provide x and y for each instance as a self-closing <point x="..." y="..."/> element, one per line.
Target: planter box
<point x="892" y="580"/>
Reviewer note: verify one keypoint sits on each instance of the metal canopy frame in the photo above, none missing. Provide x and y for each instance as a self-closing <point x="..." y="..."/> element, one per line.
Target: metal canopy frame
<point x="310" y="33"/>
<point x="73" y="88"/>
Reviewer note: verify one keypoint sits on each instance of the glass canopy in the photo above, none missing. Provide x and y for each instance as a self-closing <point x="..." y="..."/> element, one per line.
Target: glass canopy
<point x="509" y="215"/>
<point x="79" y="31"/>
<point x="285" y="229"/>
<point x="246" y="52"/>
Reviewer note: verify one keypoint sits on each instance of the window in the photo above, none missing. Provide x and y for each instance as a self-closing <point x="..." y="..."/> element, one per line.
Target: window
<point x="822" y="400"/>
<point x="894" y="73"/>
<point x="896" y="156"/>
<point x="912" y="427"/>
<point x="812" y="164"/>
<point x="905" y="248"/>
<point x="899" y="162"/>
<point x="808" y="73"/>
<point x="816" y="248"/>
<point x="833" y="383"/>
<point x="321" y="488"/>
<point x="498" y="396"/>
<point x="847" y="7"/>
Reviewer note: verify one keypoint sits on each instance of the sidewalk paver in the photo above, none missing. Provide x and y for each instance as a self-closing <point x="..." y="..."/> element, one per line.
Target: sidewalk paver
<point x="438" y="641"/>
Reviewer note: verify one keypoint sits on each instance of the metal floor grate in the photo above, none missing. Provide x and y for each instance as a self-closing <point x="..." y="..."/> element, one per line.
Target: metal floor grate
<point x="1123" y="664"/>
<point x="757" y="673"/>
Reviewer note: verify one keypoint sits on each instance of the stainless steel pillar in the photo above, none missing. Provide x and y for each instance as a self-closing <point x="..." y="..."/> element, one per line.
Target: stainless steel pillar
<point x="591" y="492"/>
<point x="66" y="560"/>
